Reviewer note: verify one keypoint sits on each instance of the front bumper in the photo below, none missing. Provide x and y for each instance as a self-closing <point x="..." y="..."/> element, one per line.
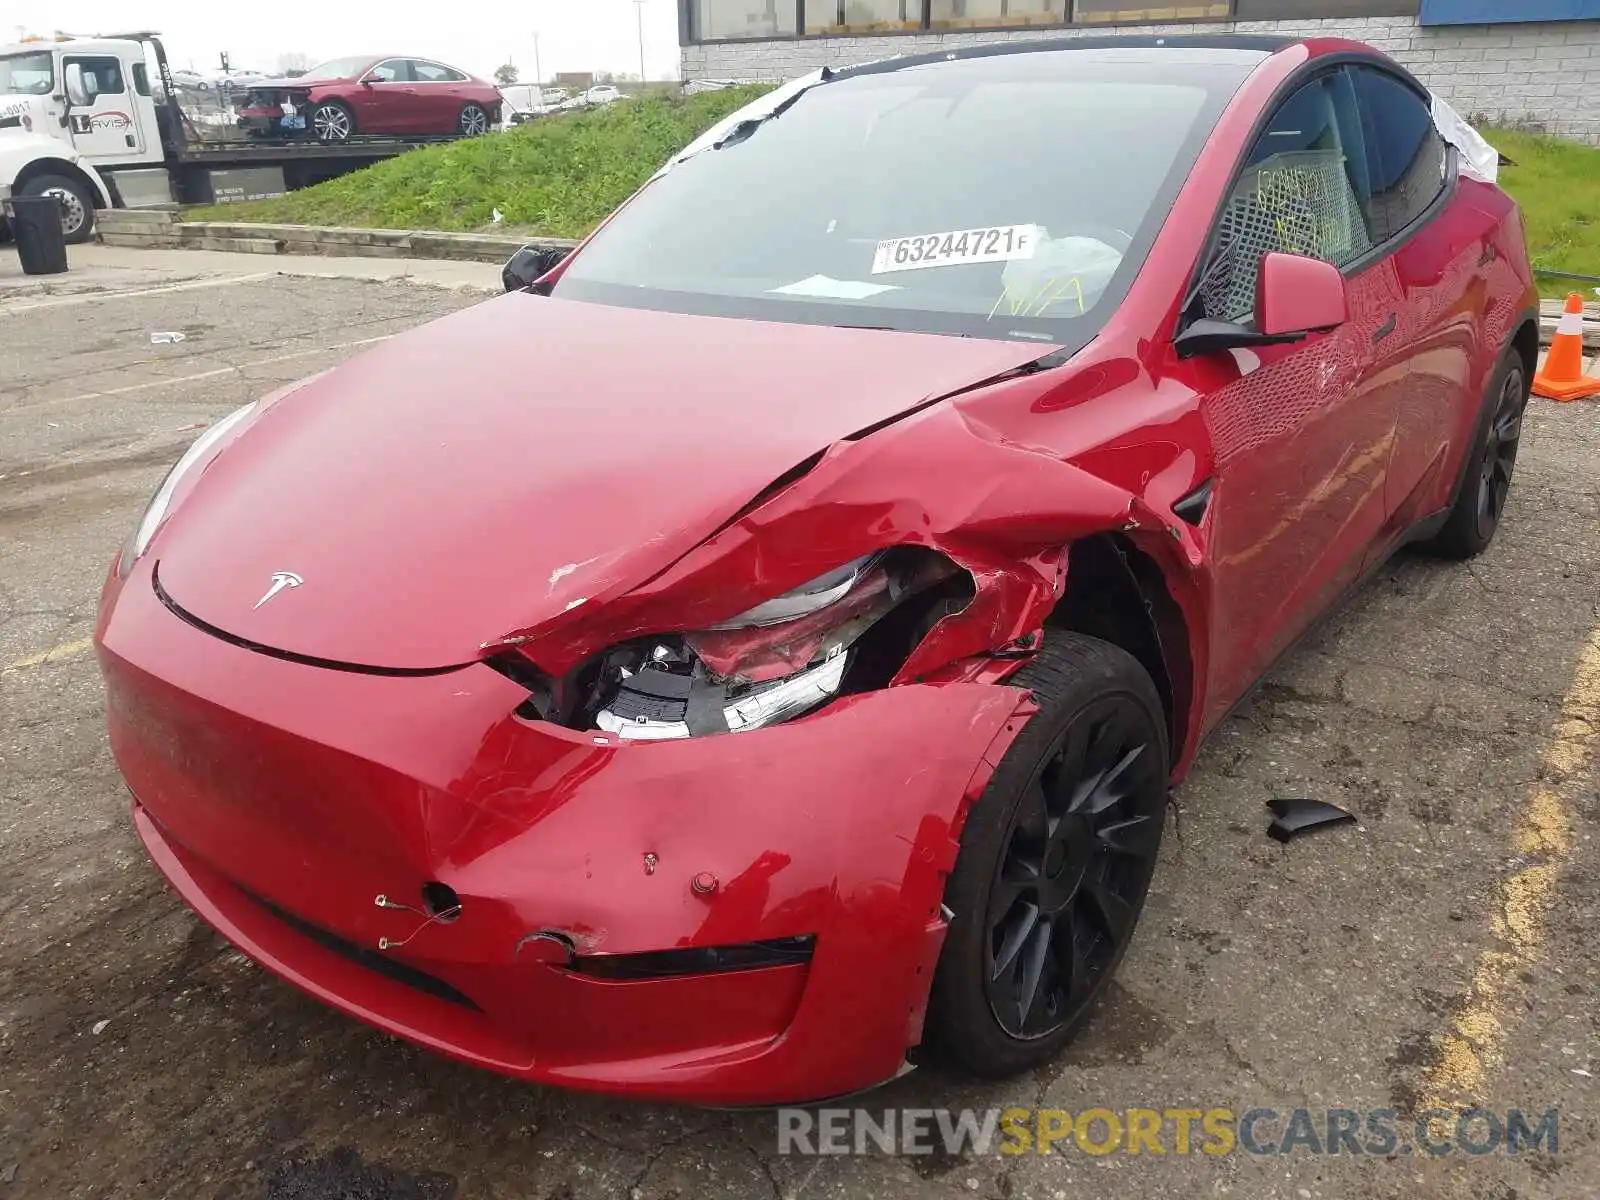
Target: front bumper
<point x="280" y="799"/>
<point x="264" y="120"/>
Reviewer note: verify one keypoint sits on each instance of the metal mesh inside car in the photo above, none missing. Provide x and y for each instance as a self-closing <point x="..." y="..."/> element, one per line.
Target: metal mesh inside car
<point x="1299" y="202"/>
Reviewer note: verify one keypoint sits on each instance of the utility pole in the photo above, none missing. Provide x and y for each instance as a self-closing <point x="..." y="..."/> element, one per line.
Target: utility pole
<point x="639" y="10"/>
<point x="538" y="75"/>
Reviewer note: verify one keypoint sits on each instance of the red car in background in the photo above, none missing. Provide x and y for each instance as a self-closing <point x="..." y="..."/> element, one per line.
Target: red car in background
<point x="759" y="649"/>
<point x="336" y="100"/>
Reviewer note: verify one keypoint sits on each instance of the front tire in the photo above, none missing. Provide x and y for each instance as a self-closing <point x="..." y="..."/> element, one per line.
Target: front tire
<point x="1055" y="862"/>
<point x="331" y="121"/>
<point x="77" y="205"/>
<point x="1480" y="503"/>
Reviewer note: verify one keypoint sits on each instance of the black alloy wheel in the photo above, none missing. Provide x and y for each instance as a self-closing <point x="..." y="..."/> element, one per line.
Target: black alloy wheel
<point x="1480" y="502"/>
<point x="1078" y="858"/>
<point x="1500" y="453"/>
<point x="1056" y="858"/>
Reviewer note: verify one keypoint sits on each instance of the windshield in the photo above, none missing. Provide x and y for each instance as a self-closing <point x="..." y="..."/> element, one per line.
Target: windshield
<point x="338" y="68"/>
<point x="1009" y="195"/>
<point x="31" y="74"/>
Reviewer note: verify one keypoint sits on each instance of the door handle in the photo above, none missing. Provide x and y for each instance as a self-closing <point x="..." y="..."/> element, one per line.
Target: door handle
<point x="1385" y="329"/>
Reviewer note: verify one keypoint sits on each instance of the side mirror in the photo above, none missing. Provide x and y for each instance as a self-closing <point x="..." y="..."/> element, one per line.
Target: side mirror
<point x="524" y="268"/>
<point x="367" y="81"/>
<point x="1299" y="295"/>
<point x="77" y="91"/>
<point x="1295" y="296"/>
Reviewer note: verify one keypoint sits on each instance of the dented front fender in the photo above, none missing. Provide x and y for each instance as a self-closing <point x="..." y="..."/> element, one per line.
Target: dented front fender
<point x="1004" y="513"/>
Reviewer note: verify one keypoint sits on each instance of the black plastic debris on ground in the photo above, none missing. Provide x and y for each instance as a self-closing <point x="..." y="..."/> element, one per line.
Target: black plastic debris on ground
<point x="341" y="1175"/>
<point x="1294" y="817"/>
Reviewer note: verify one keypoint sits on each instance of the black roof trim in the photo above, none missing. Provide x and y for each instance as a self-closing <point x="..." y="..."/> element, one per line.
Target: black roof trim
<point x="1262" y="44"/>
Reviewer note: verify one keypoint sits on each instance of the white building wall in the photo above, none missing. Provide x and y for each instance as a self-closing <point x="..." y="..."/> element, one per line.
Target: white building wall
<point x="1545" y="76"/>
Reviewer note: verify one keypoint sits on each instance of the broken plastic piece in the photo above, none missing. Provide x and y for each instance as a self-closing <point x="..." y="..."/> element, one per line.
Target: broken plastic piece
<point x="165" y="338"/>
<point x="1296" y="816"/>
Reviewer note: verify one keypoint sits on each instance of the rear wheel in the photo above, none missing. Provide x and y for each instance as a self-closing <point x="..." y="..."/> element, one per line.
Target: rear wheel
<point x="331" y="121"/>
<point x="1475" y="517"/>
<point x="77" y="205"/>
<point x="474" y="120"/>
<point x="1055" y="861"/>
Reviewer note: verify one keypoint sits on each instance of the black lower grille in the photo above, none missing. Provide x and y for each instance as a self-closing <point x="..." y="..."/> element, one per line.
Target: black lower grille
<point x="372" y="960"/>
<point x="698" y="960"/>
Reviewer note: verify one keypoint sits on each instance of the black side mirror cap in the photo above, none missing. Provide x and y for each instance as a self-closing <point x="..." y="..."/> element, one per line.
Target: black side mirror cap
<point x="1207" y="336"/>
<point x="524" y="268"/>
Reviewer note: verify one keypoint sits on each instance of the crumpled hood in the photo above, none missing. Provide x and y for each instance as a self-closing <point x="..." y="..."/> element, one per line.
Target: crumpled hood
<point x="490" y="470"/>
<point x="302" y="82"/>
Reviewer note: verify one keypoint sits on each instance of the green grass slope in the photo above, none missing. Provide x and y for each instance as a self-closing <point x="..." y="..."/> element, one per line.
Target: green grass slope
<point x="557" y="176"/>
<point x="560" y="176"/>
<point x="1557" y="185"/>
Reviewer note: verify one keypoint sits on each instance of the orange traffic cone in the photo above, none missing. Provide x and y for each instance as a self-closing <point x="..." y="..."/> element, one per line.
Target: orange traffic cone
<point x="1562" y="377"/>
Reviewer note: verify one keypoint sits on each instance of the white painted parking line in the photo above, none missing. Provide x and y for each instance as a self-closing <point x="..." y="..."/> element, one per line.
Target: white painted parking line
<point x="96" y="297"/>
<point x="173" y="380"/>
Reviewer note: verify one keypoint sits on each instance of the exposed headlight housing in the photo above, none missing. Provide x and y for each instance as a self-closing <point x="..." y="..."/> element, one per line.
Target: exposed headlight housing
<point x="805" y="599"/>
<point x="777" y="661"/>
<point x="156" y="512"/>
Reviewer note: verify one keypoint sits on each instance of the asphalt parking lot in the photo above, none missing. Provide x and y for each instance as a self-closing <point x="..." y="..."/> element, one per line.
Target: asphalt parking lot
<point x="1440" y="952"/>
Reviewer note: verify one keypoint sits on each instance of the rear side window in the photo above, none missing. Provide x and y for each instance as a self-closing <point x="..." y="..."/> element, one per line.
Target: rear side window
<point x="431" y="72"/>
<point x="1301" y="192"/>
<point x="141" y="79"/>
<point x="1407" y="159"/>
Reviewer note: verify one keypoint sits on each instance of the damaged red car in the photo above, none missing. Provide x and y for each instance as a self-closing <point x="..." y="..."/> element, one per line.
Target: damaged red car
<point x="757" y="653"/>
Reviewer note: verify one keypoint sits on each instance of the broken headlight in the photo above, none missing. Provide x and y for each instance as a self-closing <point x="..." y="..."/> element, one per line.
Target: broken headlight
<point x="780" y="659"/>
<point x="807" y="598"/>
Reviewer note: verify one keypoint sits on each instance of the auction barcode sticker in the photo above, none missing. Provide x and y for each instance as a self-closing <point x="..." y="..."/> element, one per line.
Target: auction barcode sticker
<point x="995" y="243"/>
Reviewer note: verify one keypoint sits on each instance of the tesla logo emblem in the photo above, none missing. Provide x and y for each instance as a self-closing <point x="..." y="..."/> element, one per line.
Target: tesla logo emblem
<point x="281" y="580"/>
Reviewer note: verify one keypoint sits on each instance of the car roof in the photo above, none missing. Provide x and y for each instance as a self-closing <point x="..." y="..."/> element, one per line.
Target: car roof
<point x="1184" y="48"/>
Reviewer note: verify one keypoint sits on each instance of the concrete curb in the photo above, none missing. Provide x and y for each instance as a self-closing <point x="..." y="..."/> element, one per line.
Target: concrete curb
<point x="162" y="229"/>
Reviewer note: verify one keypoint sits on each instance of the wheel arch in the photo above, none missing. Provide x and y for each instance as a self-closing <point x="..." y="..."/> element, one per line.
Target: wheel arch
<point x="70" y="170"/>
<point x="1117" y="592"/>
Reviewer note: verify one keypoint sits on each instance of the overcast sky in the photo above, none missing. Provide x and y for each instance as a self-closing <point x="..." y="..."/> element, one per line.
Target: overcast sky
<point x="574" y="35"/>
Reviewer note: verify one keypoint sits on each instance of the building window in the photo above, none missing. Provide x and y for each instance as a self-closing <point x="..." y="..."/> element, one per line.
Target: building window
<point x="990" y="14"/>
<point x="718" y="19"/>
<point x="1149" y="10"/>
<point x="862" y="16"/>
<point x="1294" y="10"/>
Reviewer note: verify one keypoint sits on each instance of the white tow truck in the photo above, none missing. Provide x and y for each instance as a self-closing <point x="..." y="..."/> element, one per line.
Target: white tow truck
<point x="95" y="122"/>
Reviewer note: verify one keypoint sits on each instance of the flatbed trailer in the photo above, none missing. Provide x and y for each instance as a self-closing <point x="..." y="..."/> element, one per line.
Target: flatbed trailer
<point x="96" y="122"/>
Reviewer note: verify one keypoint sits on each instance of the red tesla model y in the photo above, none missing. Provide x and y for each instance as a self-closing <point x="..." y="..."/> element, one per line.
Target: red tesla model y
<point x="760" y="649"/>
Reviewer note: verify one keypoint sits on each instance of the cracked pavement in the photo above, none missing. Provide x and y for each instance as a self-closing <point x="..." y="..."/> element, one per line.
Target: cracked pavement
<point x="142" y="1056"/>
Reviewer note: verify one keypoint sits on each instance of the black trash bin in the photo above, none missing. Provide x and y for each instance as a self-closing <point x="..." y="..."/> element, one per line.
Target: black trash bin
<point x="36" y="226"/>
